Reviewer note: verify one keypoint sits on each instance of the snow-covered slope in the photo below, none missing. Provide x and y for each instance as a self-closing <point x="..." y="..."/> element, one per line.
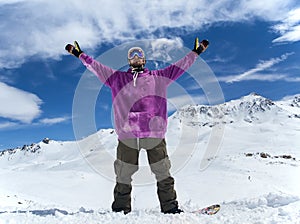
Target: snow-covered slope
<point x="253" y="175"/>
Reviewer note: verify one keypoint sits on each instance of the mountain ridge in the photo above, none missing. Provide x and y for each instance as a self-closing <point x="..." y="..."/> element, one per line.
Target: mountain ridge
<point x="251" y="108"/>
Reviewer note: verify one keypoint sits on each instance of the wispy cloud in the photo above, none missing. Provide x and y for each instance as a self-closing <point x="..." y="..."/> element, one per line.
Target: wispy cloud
<point x="56" y="120"/>
<point x="11" y="125"/>
<point x="289" y="28"/>
<point x="253" y="74"/>
<point x="44" y="27"/>
<point x="264" y="77"/>
<point x="7" y="124"/>
<point x="18" y="105"/>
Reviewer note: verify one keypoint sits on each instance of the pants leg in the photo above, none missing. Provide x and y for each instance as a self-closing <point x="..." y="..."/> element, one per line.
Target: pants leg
<point x="160" y="165"/>
<point x="125" y="166"/>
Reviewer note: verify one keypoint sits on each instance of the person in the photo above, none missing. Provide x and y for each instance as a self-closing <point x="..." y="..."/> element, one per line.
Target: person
<point x="140" y="119"/>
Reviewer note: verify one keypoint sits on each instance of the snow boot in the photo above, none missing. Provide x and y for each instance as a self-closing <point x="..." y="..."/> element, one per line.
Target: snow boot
<point x="174" y="210"/>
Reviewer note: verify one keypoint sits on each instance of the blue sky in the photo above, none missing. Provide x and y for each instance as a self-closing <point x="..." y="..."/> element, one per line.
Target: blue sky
<point x="254" y="47"/>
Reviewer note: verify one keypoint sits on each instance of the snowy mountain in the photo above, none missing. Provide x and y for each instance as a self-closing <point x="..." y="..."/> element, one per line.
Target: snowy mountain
<point x="253" y="175"/>
<point x="251" y="109"/>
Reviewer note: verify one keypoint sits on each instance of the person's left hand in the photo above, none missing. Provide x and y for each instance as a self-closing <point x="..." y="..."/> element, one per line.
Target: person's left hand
<point x="200" y="47"/>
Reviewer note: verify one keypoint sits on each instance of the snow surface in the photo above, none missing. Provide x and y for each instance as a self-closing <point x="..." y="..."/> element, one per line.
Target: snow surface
<point x="253" y="175"/>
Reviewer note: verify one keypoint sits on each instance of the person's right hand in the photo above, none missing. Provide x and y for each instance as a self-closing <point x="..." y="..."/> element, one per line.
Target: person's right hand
<point x="74" y="49"/>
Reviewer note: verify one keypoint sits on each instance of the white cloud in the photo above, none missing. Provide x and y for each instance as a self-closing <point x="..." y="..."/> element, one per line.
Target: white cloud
<point x="3" y="2"/>
<point x="162" y="46"/>
<point x="252" y="73"/>
<point x="7" y="124"/>
<point x="18" y="105"/>
<point x="51" y="121"/>
<point x="289" y="28"/>
<point x="43" y="27"/>
<point x="264" y="77"/>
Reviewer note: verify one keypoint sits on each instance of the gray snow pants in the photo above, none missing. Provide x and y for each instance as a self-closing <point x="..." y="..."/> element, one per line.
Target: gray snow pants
<point x="126" y="165"/>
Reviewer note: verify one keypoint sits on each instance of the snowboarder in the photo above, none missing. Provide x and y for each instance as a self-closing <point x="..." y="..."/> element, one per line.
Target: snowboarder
<point x="140" y="118"/>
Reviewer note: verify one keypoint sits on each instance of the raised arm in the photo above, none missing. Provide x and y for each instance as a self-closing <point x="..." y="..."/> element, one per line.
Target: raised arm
<point x="175" y="70"/>
<point x="101" y="71"/>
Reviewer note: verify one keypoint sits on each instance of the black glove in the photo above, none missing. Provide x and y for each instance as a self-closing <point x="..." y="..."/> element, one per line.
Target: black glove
<point x="200" y="47"/>
<point x="74" y="50"/>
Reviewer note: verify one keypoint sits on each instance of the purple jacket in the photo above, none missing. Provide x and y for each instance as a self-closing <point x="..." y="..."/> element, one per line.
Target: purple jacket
<point x="139" y="99"/>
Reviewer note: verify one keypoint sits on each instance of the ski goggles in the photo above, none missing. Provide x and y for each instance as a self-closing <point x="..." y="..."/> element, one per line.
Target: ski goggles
<point x="135" y="51"/>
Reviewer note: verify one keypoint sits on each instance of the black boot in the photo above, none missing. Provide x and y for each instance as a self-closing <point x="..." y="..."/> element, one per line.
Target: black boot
<point x="174" y="210"/>
<point x="125" y="210"/>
